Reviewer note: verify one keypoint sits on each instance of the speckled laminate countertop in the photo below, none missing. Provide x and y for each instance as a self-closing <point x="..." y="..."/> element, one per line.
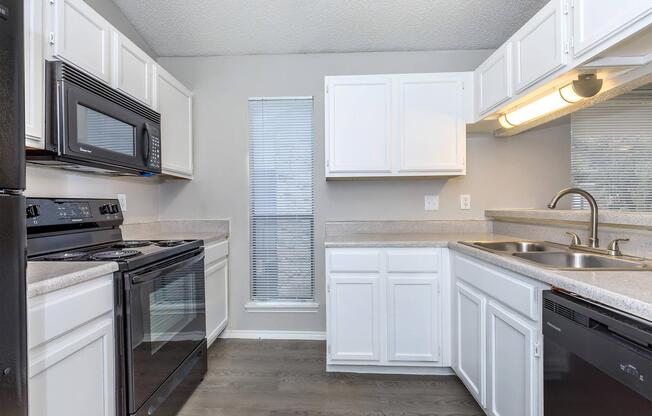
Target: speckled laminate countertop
<point x="628" y="291"/>
<point x="47" y="276"/>
<point x="209" y="237"/>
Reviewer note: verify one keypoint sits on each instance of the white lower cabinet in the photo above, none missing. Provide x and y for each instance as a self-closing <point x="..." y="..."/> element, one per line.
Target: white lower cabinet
<point x="512" y="369"/>
<point x="216" y="285"/>
<point x="496" y="342"/>
<point x="384" y="309"/>
<point x="470" y="335"/>
<point x="355" y="318"/>
<point x="414" y="330"/>
<point x="71" y="360"/>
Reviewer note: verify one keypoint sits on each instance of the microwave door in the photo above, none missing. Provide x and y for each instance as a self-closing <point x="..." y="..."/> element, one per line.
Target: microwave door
<point x="98" y="129"/>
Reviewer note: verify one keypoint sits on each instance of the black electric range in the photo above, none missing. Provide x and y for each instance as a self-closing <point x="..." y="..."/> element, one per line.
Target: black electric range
<point x="159" y="298"/>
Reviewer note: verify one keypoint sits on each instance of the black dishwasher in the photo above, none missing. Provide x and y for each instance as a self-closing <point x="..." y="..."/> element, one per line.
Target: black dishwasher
<point x="597" y="362"/>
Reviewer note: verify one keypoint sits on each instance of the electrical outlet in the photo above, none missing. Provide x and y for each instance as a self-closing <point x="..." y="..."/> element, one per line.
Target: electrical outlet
<point x="431" y="202"/>
<point x="465" y="201"/>
<point x="122" y="199"/>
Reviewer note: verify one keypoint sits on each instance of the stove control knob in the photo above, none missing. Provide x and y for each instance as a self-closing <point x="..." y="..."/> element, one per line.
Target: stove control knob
<point x="105" y="209"/>
<point x="115" y="209"/>
<point x="33" y="211"/>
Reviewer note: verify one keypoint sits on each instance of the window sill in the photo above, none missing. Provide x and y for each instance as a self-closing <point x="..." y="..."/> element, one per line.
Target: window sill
<point x="293" y="307"/>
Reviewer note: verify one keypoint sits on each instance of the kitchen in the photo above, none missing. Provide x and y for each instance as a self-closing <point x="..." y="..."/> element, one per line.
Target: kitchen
<point x="350" y="209"/>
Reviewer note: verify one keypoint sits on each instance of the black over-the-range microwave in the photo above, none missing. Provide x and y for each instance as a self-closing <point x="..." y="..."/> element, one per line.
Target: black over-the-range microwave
<point x="91" y="127"/>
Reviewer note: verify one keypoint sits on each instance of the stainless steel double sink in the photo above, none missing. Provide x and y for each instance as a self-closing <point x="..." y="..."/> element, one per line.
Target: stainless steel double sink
<point x="560" y="257"/>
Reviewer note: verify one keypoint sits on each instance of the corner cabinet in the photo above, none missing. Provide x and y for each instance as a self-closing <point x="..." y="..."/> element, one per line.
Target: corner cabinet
<point x="405" y="125"/>
<point x="71" y="358"/>
<point x="386" y="311"/>
<point x="497" y="337"/>
<point x="174" y="102"/>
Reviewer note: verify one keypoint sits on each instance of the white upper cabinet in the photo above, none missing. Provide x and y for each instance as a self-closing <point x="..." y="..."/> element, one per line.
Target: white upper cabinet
<point x="174" y="102"/>
<point x="396" y="125"/>
<point x="598" y="24"/>
<point x="358" y="126"/>
<point x="81" y="36"/>
<point x="431" y="128"/>
<point x="132" y="69"/>
<point x="34" y="77"/>
<point x="493" y="80"/>
<point x="541" y="46"/>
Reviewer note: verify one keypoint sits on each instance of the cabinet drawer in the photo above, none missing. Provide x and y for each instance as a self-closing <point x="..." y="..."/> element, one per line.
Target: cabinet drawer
<point x="354" y="260"/>
<point x="215" y="252"/>
<point x="413" y="260"/>
<point x="503" y="286"/>
<point x="56" y="313"/>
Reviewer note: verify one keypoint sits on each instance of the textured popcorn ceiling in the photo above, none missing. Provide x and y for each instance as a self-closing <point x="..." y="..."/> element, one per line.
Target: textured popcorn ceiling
<point x="239" y="27"/>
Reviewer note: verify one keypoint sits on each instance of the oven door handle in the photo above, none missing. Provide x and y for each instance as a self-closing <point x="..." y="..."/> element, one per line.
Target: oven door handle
<point x="146" y="277"/>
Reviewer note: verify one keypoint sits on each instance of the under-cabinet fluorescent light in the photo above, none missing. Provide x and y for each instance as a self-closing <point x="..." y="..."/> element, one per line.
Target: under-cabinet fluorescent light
<point x="586" y="86"/>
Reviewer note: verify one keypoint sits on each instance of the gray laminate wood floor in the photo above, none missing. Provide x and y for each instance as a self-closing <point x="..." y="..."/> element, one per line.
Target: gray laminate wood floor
<point x="288" y="378"/>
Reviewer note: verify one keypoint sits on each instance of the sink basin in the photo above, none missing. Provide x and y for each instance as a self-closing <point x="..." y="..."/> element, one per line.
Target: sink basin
<point x="517" y="246"/>
<point x="579" y="261"/>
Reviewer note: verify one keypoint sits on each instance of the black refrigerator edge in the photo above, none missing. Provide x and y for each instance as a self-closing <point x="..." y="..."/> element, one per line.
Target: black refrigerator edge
<point x="13" y="313"/>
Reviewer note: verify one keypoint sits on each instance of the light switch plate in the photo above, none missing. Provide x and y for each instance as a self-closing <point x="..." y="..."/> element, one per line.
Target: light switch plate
<point x="465" y="201"/>
<point x="122" y="199"/>
<point x="431" y="202"/>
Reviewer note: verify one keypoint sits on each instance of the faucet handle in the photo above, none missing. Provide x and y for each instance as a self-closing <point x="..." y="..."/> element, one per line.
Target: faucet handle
<point x="614" y="246"/>
<point x="576" y="239"/>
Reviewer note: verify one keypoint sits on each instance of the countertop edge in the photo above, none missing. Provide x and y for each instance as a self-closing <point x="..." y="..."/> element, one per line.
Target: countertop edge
<point x="86" y="273"/>
<point x="624" y="303"/>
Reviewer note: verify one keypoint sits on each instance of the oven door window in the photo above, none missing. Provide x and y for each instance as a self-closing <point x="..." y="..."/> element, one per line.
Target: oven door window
<point x="103" y="132"/>
<point x="166" y="323"/>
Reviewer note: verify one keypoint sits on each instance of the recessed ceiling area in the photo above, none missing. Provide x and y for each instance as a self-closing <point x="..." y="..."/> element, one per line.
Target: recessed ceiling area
<point x="243" y="27"/>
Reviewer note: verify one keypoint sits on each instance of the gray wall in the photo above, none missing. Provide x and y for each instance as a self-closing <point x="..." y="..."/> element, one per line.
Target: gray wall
<point x="142" y="193"/>
<point x="522" y="171"/>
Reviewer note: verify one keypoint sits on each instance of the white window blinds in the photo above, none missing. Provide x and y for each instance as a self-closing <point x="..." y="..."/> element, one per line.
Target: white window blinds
<point x="611" y="152"/>
<point x="281" y="199"/>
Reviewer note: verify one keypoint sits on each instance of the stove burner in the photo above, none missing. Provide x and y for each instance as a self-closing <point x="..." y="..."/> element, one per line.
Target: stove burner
<point x="132" y="244"/>
<point x="66" y="256"/>
<point x="115" y="254"/>
<point x="169" y="243"/>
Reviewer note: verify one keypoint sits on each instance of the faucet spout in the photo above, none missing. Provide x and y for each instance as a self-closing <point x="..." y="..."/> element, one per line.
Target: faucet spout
<point x="593" y="236"/>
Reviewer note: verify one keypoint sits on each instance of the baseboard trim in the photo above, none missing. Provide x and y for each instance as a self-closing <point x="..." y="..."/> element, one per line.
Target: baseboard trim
<point x="285" y="335"/>
<point x="210" y="338"/>
<point x="373" y="369"/>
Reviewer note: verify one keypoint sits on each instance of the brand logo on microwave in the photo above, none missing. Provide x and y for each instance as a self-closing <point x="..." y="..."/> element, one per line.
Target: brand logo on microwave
<point x="81" y="149"/>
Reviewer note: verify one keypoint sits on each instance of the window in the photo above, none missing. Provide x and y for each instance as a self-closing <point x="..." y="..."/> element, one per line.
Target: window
<point x="281" y="199"/>
<point x="611" y="149"/>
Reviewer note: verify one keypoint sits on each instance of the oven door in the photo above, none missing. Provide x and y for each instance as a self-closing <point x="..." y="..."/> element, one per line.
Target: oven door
<point x="97" y="129"/>
<point x="165" y="317"/>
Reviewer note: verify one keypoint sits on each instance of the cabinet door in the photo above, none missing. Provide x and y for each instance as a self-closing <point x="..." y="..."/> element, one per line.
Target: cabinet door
<point x="34" y="78"/>
<point x="540" y="46"/>
<point x="354" y="318"/>
<point x="174" y="102"/>
<point x="414" y="318"/>
<point x="431" y="127"/>
<point x="512" y="370"/>
<point x="470" y="340"/>
<point x="358" y="125"/>
<point x="74" y="376"/>
<point x="217" y="302"/>
<point x="132" y="69"/>
<point x="493" y="80"/>
<point x="597" y="22"/>
<point x="81" y="37"/>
